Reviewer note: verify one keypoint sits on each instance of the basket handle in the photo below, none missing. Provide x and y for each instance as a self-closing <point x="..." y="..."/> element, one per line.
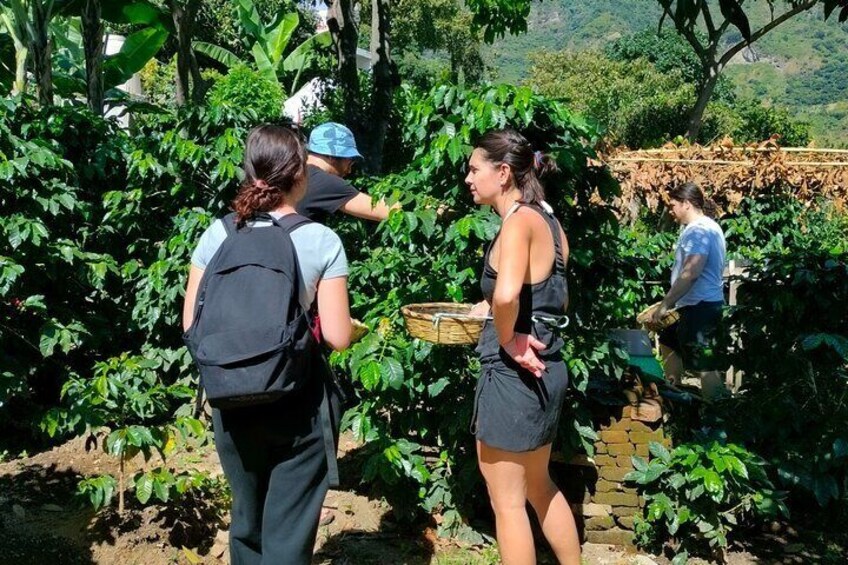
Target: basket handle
<point x="437" y="318"/>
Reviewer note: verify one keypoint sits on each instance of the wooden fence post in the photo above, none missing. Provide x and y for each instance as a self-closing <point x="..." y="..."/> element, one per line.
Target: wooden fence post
<point x="735" y="269"/>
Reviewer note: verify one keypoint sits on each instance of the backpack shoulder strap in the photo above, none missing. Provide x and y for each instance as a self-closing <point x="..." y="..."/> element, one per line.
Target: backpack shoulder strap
<point x="291" y="222"/>
<point x="229" y="222"/>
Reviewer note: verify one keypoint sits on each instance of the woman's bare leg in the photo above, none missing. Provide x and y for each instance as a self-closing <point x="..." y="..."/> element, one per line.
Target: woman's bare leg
<point x="512" y="480"/>
<point x="505" y="480"/>
<point x="551" y="507"/>
<point x="672" y="365"/>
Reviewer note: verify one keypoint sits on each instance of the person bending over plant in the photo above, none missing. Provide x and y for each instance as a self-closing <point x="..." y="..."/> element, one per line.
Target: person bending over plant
<point x="332" y="153"/>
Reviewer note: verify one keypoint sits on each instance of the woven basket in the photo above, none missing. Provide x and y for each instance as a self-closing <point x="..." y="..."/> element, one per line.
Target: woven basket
<point x="359" y="330"/>
<point x="645" y="317"/>
<point x="446" y="323"/>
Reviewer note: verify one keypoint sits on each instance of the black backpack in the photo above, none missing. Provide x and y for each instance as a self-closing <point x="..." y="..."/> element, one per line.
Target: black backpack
<point x="250" y="337"/>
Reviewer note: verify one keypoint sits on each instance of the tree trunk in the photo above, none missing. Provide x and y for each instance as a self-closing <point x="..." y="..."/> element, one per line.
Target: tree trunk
<point x="181" y="19"/>
<point x="341" y="22"/>
<point x="42" y="48"/>
<point x="92" y="40"/>
<point x="21" y="56"/>
<point x="385" y="81"/>
<point x="198" y="89"/>
<point x="705" y="92"/>
<point x="121" y="485"/>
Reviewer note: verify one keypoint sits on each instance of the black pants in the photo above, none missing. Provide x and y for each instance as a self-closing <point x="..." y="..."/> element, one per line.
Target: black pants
<point x="275" y="460"/>
<point x="693" y="337"/>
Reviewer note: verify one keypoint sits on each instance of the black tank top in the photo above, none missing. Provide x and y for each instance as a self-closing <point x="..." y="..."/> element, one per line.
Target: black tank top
<point x="541" y="306"/>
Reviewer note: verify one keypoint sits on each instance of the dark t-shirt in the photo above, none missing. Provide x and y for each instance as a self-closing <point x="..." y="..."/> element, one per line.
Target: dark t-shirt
<point x="325" y="194"/>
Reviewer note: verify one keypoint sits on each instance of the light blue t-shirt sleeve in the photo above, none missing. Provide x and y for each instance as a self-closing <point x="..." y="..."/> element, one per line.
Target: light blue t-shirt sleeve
<point x="209" y="243"/>
<point x="696" y="241"/>
<point x="336" y="257"/>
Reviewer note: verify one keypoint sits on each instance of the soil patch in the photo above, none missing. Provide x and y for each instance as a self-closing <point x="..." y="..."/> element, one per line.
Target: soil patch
<point x="44" y="522"/>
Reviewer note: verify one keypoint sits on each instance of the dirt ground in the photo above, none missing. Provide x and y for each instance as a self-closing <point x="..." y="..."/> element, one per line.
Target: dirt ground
<point x="41" y="521"/>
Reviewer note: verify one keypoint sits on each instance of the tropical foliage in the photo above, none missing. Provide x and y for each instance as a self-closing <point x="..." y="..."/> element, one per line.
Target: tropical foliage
<point x="100" y="222"/>
<point x="90" y="285"/>
<point x="268" y="43"/>
<point x="697" y="493"/>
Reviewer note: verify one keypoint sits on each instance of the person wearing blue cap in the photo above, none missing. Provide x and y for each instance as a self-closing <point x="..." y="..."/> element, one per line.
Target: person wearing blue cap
<point x="332" y="151"/>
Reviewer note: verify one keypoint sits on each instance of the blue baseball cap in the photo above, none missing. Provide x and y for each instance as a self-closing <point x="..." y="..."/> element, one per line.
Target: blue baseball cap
<point x="333" y="140"/>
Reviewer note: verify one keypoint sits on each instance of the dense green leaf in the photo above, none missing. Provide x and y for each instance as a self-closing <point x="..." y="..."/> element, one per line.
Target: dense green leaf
<point x="279" y="36"/>
<point x="392" y="373"/>
<point x="300" y="57"/>
<point x="136" y="51"/>
<point x="144" y="487"/>
<point x="223" y="56"/>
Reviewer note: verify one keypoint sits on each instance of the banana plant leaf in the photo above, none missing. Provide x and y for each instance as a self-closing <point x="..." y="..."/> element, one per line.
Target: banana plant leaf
<point x="279" y="35"/>
<point x="298" y="59"/>
<point x="135" y="12"/>
<point x="220" y="54"/>
<point x="137" y="50"/>
<point x="250" y="20"/>
<point x="263" y="64"/>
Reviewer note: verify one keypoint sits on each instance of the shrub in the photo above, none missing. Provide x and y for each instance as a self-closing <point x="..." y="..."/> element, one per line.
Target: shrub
<point x="698" y="493"/>
<point x="245" y="89"/>
<point x="61" y="279"/>
<point x="789" y="338"/>
<point x="101" y="226"/>
<point x="758" y="122"/>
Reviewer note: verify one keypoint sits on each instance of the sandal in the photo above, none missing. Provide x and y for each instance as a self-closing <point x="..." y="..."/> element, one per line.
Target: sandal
<point x="327" y="516"/>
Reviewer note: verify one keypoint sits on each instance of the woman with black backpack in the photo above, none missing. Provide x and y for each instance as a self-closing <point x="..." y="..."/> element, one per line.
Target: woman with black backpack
<point x="275" y="411"/>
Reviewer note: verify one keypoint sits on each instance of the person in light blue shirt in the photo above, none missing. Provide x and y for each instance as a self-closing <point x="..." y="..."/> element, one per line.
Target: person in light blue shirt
<point x="696" y="293"/>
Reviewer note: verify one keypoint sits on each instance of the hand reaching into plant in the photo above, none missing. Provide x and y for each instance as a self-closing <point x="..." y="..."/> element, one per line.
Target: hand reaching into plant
<point x="522" y="348"/>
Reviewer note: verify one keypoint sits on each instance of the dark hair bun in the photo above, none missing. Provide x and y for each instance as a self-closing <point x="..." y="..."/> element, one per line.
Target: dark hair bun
<point x="544" y="164"/>
<point x="511" y="148"/>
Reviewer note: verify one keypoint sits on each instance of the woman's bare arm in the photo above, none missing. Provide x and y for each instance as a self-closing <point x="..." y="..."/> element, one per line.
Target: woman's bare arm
<point x="513" y="263"/>
<point x="195" y="274"/>
<point x="334" y="310"/>
<point x="513" y="266"/>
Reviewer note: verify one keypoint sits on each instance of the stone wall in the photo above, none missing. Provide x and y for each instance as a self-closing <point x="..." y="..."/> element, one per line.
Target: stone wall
<point x="603" y="505"/>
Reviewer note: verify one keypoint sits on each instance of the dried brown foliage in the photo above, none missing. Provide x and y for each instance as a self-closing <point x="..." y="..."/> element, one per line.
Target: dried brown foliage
<point x="728" y="173"/>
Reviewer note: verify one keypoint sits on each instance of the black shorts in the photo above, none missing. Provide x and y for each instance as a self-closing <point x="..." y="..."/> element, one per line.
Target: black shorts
<point x="693" y="337"/>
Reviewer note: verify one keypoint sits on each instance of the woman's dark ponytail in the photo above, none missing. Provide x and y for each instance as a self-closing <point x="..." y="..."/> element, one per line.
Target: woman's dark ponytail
<point x="274" y="162"/>
<point x="544" y="164"/>
<point x="528" y="166"/>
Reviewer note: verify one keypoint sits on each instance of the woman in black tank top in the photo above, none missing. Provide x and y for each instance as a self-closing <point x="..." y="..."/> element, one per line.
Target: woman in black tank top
<point x="524" y="378"/>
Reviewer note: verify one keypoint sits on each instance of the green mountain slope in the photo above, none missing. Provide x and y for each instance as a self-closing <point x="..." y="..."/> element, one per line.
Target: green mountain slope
<point x="802" y="64"/>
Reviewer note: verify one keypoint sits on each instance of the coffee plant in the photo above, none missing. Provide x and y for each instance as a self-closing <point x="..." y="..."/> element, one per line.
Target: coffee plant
<point x="789" y="337"/>
<point x="101" y="225"/>
<point x="417" y="397"/>
<point x="697" y="493"/>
